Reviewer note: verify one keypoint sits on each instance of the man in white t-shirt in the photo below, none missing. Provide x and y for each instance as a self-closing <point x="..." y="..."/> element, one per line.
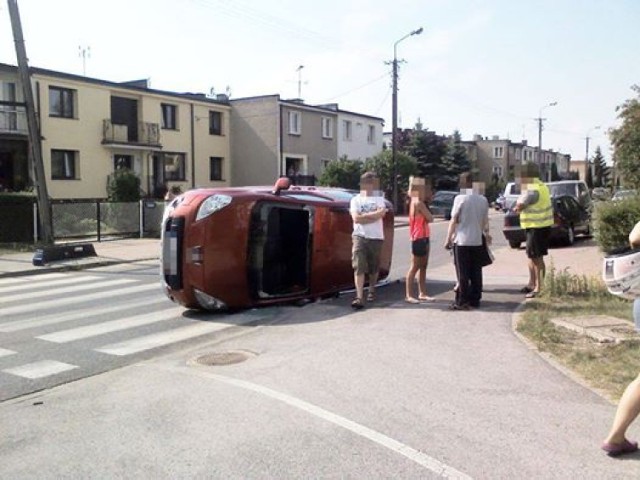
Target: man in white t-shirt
<point x="469" y="221"/>
<point x="367" y="211"/>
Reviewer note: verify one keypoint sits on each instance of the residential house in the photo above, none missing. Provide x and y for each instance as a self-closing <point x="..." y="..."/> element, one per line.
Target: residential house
<point x="502" y="158"/>
<point x="89" y="128"/>
<point x="273" y="137"/>
<point x="360" y="136"/>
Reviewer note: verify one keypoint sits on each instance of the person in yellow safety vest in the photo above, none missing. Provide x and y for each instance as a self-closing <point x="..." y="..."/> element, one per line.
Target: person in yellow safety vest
<point x="536" y="218"/>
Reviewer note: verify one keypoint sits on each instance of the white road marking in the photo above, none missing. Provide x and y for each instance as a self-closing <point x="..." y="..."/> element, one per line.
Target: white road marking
<point x="63" y="290"/>
<point x="4" y="352"/>
<point x="10" y="281"/>
<point x="381" y="439"/>
<point x="85" y="313"/>
<point x="38" y="306"/>
<point x="96" y="329"/>
<point x="69" y="280"/>
<point x="140" y="344"/>
<point x="43" y="368"/>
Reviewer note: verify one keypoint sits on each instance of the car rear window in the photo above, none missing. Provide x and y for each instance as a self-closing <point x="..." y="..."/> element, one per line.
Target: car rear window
<point x="562" y="189"/>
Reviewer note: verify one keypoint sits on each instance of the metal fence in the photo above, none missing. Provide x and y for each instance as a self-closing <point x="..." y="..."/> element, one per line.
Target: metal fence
<point x="83" y="219"/>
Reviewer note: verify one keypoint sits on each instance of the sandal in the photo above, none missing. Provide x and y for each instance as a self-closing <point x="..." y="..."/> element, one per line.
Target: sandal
<point x="526" y="289"/>
<point x="371" y="296"/>
<point x="531" y="294"/>
<point x="411" y="300"/>
<point x="357" y="304"/>
<point x="617" y="449"/>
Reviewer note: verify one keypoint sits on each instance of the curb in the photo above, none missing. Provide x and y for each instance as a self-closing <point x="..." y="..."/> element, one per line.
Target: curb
<point x="551" y="360"/>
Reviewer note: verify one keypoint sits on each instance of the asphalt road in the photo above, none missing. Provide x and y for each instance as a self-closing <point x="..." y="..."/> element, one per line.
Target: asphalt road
<point x="394" y="391"/>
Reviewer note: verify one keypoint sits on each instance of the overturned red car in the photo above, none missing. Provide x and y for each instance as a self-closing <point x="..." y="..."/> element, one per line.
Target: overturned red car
<point x="229" y="248"/>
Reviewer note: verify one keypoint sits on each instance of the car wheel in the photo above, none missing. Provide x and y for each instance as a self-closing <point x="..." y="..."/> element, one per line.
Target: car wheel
<point x="571" y="236"/>
<point x="514" y="244"/>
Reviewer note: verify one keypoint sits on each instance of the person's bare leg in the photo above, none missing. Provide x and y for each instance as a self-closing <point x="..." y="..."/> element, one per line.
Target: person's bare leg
<point x="539" y="271"/>
<point x="410" y="278"/>
<point x="532" y="274"/>
<point x="628" y="410"/>
<point x="422" y="277"/>
<point x="359" y="281"/>
<point x="373" y="280"/>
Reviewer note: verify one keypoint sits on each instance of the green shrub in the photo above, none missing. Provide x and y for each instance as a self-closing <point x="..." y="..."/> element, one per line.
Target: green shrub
<point x="613" y="221"/>
<point x="123" y="186"/>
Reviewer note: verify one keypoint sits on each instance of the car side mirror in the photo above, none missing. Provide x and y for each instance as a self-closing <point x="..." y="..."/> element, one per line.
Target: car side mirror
<point x="283" y="183"/>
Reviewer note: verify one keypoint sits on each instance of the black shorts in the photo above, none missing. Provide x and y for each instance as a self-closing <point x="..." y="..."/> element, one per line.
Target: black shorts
<point x="420" y="247"/>
<point x="538" y="241"/>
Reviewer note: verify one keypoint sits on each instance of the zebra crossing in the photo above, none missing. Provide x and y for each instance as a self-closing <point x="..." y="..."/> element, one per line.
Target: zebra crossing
<point x="62" y="326"/>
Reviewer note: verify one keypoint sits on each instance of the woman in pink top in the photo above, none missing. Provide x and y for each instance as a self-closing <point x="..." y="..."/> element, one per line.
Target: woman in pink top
<point x="419" y="219"/>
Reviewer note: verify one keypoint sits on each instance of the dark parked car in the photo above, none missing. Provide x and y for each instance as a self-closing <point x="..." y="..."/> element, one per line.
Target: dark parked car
<point x="250" y="246"/>
<point x="569" y="220"/>
<point x="442" y="203"/>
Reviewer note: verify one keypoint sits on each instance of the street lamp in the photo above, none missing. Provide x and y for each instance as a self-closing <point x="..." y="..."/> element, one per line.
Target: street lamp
<point x="543" y="171"/>
<point x="586" y="153"/>
<point x="394" y="117"/>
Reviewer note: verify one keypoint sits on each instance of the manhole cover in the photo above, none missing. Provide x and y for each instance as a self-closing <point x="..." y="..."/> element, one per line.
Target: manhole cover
<point x="222" y="358"/>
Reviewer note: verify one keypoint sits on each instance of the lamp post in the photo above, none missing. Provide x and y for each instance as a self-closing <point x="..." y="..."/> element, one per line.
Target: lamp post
<point x="543" y="172"/>
<point x="394" y="117"/>
<point x="587" y="162"/>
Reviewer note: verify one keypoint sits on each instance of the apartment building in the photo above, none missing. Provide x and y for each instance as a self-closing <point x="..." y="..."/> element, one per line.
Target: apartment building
<point x="91" y="127"/>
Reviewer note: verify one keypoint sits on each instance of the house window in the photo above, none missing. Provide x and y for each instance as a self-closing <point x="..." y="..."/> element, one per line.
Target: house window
<point x="371" y="134"/>
<point x="169" y="116"/>
<point x="497" y="171"/>
<point x="8" y="113"/>
<point x="325" y="163"/>
<point x="294" y="123"/>
<point x="215" y="123"/>
<point x="497" y="152"/>
<point x="122" y="161"/>
<point x="347" y="130"/>
<point x="63" y="165"/>
<point x="517" y="154"/>
<point x="215" y="168"/>
<point x="327" y="127"/>
<point x="174" y="167"/>
<point x="61" y="102"/>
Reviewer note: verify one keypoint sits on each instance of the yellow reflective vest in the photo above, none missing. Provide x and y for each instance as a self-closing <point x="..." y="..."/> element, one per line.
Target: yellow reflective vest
<point x="539" y="214"/>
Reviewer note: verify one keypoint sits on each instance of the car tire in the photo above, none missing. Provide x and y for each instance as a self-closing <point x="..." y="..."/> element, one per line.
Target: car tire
<point x="570" y="239"/>
<point x="514" y="244"/>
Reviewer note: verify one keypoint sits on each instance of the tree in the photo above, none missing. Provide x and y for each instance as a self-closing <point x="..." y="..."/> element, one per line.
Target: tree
<point x="123" y="186"/>
<point x="342" y="173"/>
<point x="454" y="162"/>
<point x="588" y="177"/>
<point x="600" y="170"/>
<point x="383" y="166"/>
<point x="428" y="149"/>
<point x="626" y="141"/>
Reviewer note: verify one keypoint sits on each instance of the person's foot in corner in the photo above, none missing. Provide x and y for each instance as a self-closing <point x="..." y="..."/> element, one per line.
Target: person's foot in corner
<point x="455" y="306"/>
<point x="617" y="449"/>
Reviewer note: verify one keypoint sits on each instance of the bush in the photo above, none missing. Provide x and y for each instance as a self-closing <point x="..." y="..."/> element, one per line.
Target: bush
<point x="613" y="221"/>
<point x="123" y="186"/>
<point x="342" y="173"/>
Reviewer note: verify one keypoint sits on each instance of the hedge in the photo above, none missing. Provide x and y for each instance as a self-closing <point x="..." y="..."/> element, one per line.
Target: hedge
<point x="613" y="221"/>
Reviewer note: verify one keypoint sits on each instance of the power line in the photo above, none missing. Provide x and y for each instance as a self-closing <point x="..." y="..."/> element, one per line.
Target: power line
<point x="370" y="82"/>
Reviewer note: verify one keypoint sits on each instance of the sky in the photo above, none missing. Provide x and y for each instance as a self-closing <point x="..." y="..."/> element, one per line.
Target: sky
<point x="482" y="67"/>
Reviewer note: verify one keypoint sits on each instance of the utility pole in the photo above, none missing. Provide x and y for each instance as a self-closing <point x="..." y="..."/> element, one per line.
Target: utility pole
<point x="540" y="163"/>
<point x="44" y="207"/>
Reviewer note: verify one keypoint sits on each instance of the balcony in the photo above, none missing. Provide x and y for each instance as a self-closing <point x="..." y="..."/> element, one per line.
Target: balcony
<point x="13" y="120"/>
<point x="141" y="134"/>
